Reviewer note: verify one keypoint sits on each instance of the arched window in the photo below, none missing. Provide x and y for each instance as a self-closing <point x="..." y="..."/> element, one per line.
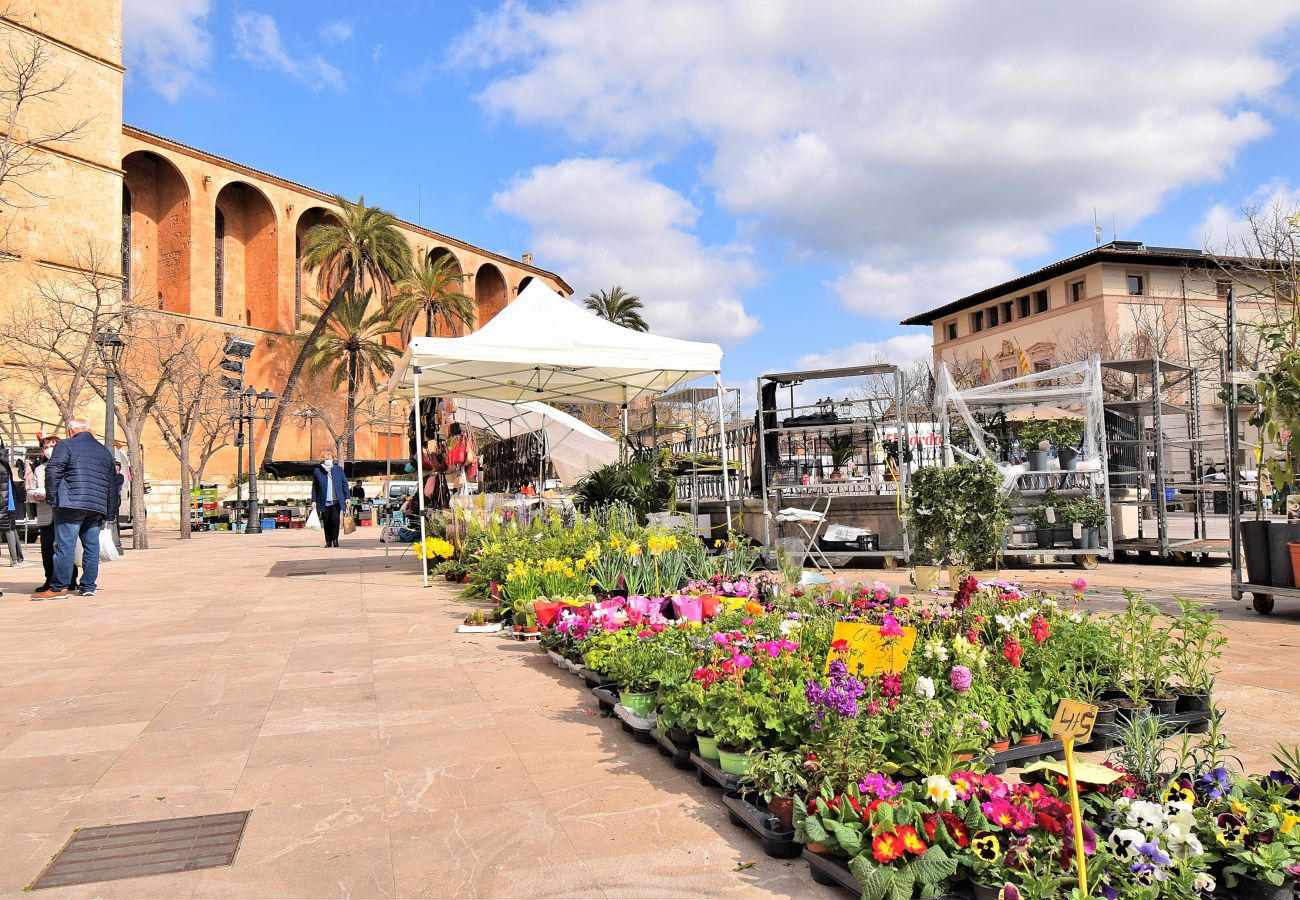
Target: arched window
<point x="218" y="254"/>
<point x="126" y="243"/>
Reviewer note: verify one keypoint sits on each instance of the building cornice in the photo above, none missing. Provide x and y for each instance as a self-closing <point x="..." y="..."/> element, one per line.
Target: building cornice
<point x="195" y="153"/>
<point x="63" y="45"/>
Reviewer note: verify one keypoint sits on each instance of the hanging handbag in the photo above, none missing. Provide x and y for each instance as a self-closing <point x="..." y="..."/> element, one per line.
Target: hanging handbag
<point x="349" y="524"/>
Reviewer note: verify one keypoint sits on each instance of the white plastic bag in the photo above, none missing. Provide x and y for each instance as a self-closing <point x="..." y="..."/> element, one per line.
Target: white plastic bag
<point x="76" y="553"/>
<point x="313" y="521"/>
<point x="107" y="549"/>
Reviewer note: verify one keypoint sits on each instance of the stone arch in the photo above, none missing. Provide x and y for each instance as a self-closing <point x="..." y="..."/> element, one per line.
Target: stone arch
<point x="489" y="293"/>
<point x="250" y="255"/>
<point x="303" y="282"/>
<point x="156" y="226"/>
<point x="440" y="325"/>
<point x="527" y="280"/>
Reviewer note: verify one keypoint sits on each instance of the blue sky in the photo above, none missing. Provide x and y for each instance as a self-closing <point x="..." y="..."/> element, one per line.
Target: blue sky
<point x="786" y="177"/>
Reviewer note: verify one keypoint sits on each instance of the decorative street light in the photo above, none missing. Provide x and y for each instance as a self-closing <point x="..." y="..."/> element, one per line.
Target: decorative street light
<point x="308" y="416"/>
<point x="254" y="406"/>
<point x="110" y="345"/>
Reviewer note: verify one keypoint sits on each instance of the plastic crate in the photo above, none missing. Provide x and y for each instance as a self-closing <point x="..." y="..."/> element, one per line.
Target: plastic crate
<point x="268" y="524"/>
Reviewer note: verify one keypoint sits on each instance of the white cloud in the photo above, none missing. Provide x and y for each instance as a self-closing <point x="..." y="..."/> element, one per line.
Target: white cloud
<point x="604" y="222"/>
<point x="895" y="292"/>
<point x="897" y="137"/>
<point x="167" y="41"/>
<point x="336" y="31"/>
<point x="257" y="41"/>
<point x="1225" y="230"/>
<point x="902" y="350"/>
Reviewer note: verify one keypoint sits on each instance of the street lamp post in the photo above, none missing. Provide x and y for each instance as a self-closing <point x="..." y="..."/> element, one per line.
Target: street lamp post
<point x="110" y="346"/>
<point x="254" y="407"/>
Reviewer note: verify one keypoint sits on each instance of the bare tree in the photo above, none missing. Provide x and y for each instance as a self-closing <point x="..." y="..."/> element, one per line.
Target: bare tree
<point x="190" y="411"/>
<point x="29" y="85"/>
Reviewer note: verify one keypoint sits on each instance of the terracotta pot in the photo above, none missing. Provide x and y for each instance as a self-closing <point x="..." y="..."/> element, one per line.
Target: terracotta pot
<point x="1029" y="740"/>
<point x="819" y="849"/>
<point x="999" y="746"/>
<point x="464" y="579"/>
<point x="965" y="757"/>
<point x="783" y="809"/>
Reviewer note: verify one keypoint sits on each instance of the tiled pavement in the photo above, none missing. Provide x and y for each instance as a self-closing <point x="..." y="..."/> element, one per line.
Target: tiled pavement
<point x="380" y="752"/>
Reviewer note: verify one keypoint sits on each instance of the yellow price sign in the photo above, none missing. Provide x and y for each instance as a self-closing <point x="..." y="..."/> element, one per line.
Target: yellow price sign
<point x="866" y="652"/>
<point x="1074" y="720"/>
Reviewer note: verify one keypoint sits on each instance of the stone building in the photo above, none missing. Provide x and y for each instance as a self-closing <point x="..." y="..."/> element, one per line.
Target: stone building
<point x="204" y="237"/>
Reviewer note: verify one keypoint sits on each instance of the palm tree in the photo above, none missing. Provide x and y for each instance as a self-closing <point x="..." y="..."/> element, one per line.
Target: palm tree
<point x="619" y="307"/>
<point x="361" y="243"/>
<point x="352" y="349"/>
<point x="432" y="289"/>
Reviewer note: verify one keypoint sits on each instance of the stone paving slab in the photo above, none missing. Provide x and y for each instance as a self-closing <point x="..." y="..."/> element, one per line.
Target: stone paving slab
<point x="381" y="753"/>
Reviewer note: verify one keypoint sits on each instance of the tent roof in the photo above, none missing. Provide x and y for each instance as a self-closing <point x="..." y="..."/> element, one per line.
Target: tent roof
<point x="573" y="446"/>
<point x="543" y="347"/>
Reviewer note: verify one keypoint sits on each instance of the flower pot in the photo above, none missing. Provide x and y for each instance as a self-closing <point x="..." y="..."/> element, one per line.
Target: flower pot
<point x="985" y="891"/>
<point x="955" y="575"/>
<point x="451" y="576"/>
<point x="965" y="757"/>
<point x="1092" y="537"/>
<point x="1037" y="460"/>
<point x="1029" y="740"/>
<point x="1068" y="457"/>
<point x="1105" y="713"/>
<point x="1254" y="543"/>
<point x="641" y="703"/>
<point x="708" y="747"/>
<point x="1163" y="706"/>
<point x="734" y="763"/>
<point x="679" y="736"/>
<point x="783" y="809"/>
<point x="1045" y="538"/>
<point x="1000" y="746"/>
<point x="819" y="849"/>
<point x="1252" y="889"/>
<point x="1280" y="535"/>
<point x="1192" y="703"/>
<point x="1126" y="711"/>
<point x="926" y="578"/>
<point x="494" y="590"/>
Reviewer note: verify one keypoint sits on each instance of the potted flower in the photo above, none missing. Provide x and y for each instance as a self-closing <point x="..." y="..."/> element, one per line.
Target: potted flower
<point x="1035" y="439"/>
<point x="1196" y="648"/>
<point x="779" y="776"/>
<point x="1043" y="517"/>
<point x="633" y="664"/>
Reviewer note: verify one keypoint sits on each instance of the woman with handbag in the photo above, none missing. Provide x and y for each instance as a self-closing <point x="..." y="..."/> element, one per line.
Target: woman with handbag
<point x="329" y="496"/>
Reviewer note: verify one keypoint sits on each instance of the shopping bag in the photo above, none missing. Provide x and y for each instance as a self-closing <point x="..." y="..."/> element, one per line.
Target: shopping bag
<point x="76" y="553"/>
<point x="107" y="549"/>
<point x="349" y="524"/>
<point x="313" y="520"/>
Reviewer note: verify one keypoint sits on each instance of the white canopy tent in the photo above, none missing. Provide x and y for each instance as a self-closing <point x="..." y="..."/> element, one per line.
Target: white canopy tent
<point x="573" y="447"/>
<point x="542" y="347"/>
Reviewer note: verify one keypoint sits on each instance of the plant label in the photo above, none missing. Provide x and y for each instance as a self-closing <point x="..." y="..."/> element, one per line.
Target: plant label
<point x="1074" y="720"/>
<point x="1076" y="531"/>
<point x="866" y="652"/>
<point x="1051" y="515"/>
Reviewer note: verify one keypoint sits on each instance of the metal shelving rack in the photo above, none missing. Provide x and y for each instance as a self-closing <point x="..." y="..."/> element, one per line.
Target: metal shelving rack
<point x="1049" y="389"/>
<point x="1148" y="434"/>
<point x="808" y="475"/>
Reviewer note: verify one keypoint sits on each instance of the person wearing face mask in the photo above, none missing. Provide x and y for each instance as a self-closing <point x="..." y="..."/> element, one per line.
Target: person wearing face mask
<point x="45" y="516"/>
<point x="329" y="496"/>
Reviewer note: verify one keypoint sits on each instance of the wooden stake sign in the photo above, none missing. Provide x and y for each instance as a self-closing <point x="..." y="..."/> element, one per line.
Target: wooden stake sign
<point x="1073" y="722"/>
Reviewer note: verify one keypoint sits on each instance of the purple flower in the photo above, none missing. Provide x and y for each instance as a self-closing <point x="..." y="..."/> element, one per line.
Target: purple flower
<point x="960" y="678"/>
<point x="839" y="695"/>
<point x="1215" y="783"/>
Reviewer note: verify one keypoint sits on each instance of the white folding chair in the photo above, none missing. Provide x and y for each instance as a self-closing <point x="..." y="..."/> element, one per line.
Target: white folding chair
<point x="810" y="523"/>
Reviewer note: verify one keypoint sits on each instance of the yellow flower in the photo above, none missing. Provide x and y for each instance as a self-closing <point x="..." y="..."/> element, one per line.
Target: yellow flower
<point x="1289" y="822"/>
<point x="1239" y="808"/>
<point x="717" y="543"/>
<point x="633" y="549"/>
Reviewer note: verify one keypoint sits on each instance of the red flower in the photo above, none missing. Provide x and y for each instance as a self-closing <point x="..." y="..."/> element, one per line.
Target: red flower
<point x="902" y="601"/>
<point x="1012" y="650"/>
<point x="1039" y="629"/>
<point x="912" y="842"/>
<point x="929" y="820"/>
<point x="839" y="646"/>
<point x="887" y="847"/>
<point x="891" y="685"/>
<point x="956" y="828"/>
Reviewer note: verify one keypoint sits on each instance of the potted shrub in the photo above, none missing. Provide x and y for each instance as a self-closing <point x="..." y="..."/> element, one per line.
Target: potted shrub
<point x="840" y="447"/>
<point x="1065" y="436"/>
<point x="1043" y="517"/>
<point x="633" y="663"/>
<point x="1196" y="648"/>
<point x="897" y="455"/>
<point x="1035" y="438"/>
<point x="959" y="514"/>
<point x="779" y="777"/>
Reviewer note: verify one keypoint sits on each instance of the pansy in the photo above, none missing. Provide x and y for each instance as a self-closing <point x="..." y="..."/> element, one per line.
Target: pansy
<point x="1146" y="815"/>
<point x="1214" y="783"/>
<point x="1183" y="842"/>
<point x="986" y="847"/>
<point x="1204" y="883"/>
<point x="1125" y="841"/>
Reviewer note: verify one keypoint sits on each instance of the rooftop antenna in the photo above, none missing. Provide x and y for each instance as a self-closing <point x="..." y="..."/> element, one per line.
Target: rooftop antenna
<point x="1114" y="232"/>
<point x="1096" y="227"/>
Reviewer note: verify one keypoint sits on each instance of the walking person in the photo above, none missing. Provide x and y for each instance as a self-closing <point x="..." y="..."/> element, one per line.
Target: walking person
<point x="81" y="485"/>
<point x="10" y="510"/>
<point x="329" y="496"/>
<point x="45" y="516"/>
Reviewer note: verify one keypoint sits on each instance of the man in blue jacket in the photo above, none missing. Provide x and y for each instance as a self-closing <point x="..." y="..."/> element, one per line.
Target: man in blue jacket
<point x="329" y="496"/>
<point x="81" y="486"/>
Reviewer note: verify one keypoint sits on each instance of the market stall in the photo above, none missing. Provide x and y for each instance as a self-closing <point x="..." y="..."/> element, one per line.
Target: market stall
<point x="543" y="348"/>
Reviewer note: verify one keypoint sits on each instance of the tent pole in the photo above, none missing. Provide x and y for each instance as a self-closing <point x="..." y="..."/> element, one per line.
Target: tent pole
<point x="419" y="474"/>
<point x="692" y="446"/>
<point x="722" y="451"/>
<point x="623" y="443"/>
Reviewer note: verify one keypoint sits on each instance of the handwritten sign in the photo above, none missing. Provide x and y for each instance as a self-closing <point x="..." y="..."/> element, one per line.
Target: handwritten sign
<point x="1074" y="720"/>
<point x="865" y="652"/>
<point x="1089" y="773"/>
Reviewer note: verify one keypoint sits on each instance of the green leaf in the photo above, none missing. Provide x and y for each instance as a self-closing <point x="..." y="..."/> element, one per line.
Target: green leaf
<point x="903" y="884"/>
<point x="934" y="866"/>
<point x="877" y="880"/>
<point x="848" y="837"/>
<point x="816" y="833"/>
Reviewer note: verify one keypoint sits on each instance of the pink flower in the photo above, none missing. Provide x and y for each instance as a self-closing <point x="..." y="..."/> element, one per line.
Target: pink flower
<point x="742" y="661"/>
<point x="960" y="678"/>
<point x="645" y="633"/>
<point x="1078" y="584"/>
<point x="746" y="621"/>
<point x="720" y="638"/>
<point x="889" y="627"/>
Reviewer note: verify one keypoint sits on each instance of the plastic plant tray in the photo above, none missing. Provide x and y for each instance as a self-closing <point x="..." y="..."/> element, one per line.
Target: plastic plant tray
<point x="607" y="696"/>
<point x="709" y="772"/>
<point x="681" y="756"/>
<point x="1022" y="755"/>
<point x="765" y="826"/>
<point x="641" y="728"/>
<point x="833" y="870"/>
<point x="594" y="679"/>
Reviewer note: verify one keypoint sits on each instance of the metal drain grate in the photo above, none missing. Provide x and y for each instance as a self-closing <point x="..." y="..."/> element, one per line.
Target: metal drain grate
<point x="111" y="852"/>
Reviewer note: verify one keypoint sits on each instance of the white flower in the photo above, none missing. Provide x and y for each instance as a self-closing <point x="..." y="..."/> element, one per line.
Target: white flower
<point x="788" y="625"/>
<point x="1076" y="617"/>
<point x="1004" y="622"/>
<point x="1050" y="603"/>
<point x="1125" y="841"/>
<point x="1203" y="883"/>
<point x="934" y="649"/>
<point x="925" y="687"/>
<point x="1179" y="815"/>
<point x="1147" y="816"/>
<point x="940" y="790"/>
<point x="1183" y="842"/>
